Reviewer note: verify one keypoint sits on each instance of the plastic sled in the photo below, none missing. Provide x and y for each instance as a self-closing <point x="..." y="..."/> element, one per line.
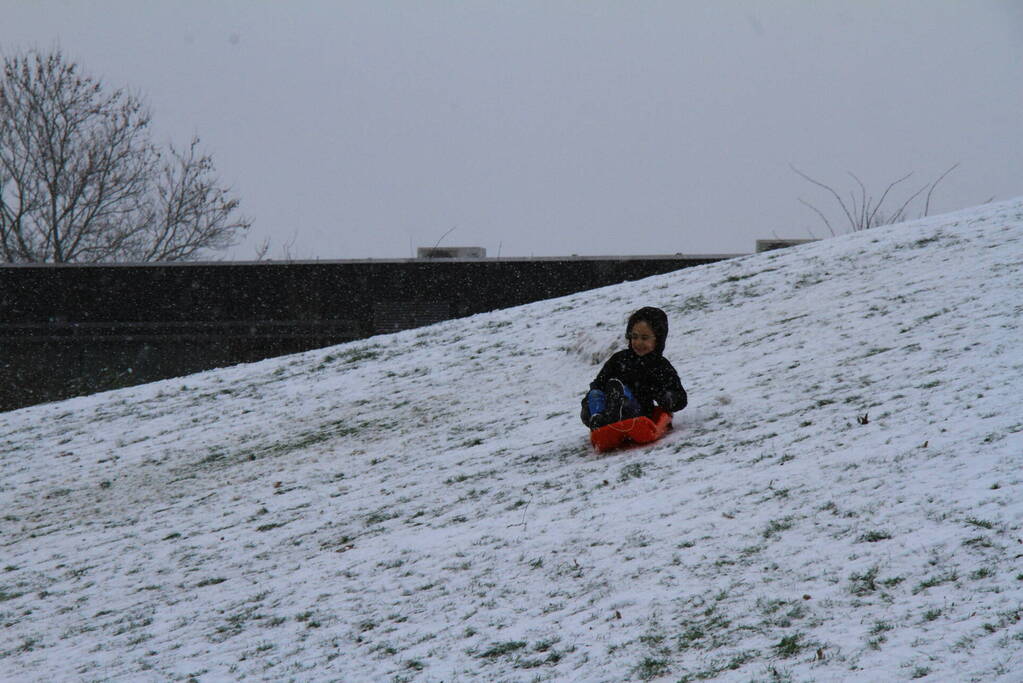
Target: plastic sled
<point x="637" y="430"/>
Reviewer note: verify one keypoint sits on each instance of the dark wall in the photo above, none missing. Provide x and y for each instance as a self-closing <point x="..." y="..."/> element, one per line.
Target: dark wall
<point x="71" y="330"/>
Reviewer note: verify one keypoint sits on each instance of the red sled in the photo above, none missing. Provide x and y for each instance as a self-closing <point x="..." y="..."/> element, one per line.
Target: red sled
<point x="631" y="430"/>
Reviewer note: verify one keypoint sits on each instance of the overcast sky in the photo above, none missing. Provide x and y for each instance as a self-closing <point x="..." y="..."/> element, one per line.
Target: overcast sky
<point x="368" y="128"/>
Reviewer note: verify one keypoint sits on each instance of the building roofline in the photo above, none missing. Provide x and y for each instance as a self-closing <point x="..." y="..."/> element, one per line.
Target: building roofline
<point x="308" y="262"/>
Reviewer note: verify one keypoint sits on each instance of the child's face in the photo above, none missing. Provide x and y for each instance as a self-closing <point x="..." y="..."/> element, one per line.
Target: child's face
<point x="641" y="339"/>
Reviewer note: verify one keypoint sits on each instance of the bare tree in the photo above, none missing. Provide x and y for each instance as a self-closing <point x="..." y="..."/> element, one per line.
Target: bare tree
<point x="81" y="180"/>
<point x="863" y="211"/>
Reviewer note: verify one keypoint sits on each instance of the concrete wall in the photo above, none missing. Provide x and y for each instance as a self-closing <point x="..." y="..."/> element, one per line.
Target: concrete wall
<point x="71" y="330"/>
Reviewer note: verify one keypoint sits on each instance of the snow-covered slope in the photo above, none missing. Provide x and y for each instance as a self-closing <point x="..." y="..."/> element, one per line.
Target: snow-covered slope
<point x="841" y="501"/>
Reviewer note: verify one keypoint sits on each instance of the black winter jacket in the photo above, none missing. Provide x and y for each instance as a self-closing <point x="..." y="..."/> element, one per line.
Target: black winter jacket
<point x="651" y="379"/>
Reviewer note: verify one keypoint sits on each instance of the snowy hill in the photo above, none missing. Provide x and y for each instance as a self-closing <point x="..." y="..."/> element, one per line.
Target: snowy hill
<point x="841" y="501"/>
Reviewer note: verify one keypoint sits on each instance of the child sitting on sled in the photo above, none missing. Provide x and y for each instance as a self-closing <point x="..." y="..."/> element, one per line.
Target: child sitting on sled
<point x="635" y="380"/>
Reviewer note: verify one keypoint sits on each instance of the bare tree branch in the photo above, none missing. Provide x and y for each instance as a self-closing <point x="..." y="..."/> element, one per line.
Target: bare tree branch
<point x="80" y="179"/>
<point x="869" y="221"/>
<point x="829" y="189"/>
<point x="927" y="204"/>
<point x="900" y="215"/>
<point x="819" y="213"/>
<point x="864" y="212"/>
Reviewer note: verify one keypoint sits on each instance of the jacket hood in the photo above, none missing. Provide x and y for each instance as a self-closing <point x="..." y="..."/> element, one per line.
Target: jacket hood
<point x="658" y="322"/>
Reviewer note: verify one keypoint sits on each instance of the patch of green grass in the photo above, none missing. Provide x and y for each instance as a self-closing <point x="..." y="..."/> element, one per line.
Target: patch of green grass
<point x="938" y="580"/>
<point x="544" y="645"/>
<point x="650" y="668"/>
<point x="930" y="316"/>
<point x="235" y="624"/>
<point x="502" y="649"/>
<point x="331" y="430"/>
<point x="210" y="582"/>
<point x="652" y="639"/>
<point x="307" y="618"/>
<point x="693" y="303"/>
<point x="358" y="355"/>
<point x="772" y="609"/>
<point x="789" y="646"/>
<point x="770" y="606"/>
<point x="380" y="516"/>
<point x="776" y="526"/>
<point x="551" y="659"/>
<point x="631" y="471"/>
<point x="541" y="647"/>
<point x="27" y="645"/>
<point x="808" y="280"/>
<point x="874" y="537"/>
<point x="892" y="582"/>
<point x="704" y="634"/>
<point x="865" y="583"/>
<point x="1005" y="620"/>
<point x="878" y="632"/>
<point x="720" y="666"/>
<point x="131" y="623"/>
<point x="978" y="542"/>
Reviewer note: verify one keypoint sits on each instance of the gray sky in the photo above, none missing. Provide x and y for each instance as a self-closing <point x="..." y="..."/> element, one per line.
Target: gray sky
<point x="367" y="128"/>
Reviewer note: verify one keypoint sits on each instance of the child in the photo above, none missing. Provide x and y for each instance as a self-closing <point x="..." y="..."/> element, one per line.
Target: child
<point x="636" y="378"/>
